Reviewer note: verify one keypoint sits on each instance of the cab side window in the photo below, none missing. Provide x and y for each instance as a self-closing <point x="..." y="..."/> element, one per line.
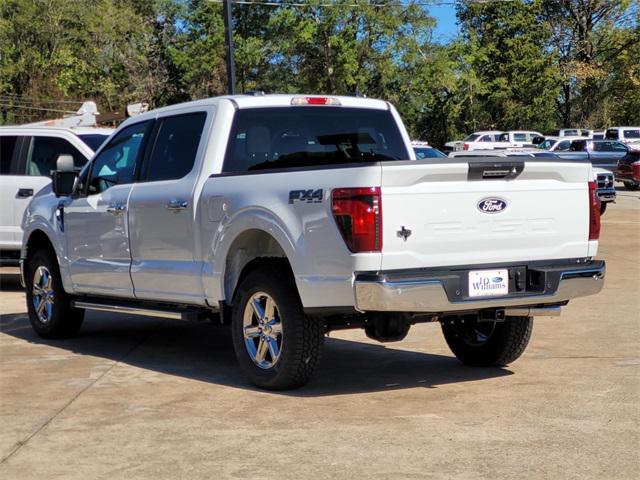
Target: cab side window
<point x="116" y="163"/>
<point x="8" y="145"/>
<point x="563" y="146"/>
<point x="175" y="147"/>
<point x="44" y="151"/>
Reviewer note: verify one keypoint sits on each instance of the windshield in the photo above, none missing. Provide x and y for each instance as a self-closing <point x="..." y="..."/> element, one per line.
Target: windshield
<point x="428" y="152"/>
<point x="547" y="144"/>
<point x="93" y="140"/>
<point x="471" y="138"/>
<point x="295" y="137"/>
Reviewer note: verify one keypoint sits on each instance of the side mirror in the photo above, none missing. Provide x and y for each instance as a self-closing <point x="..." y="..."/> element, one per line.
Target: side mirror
<point x="64" y="178"/>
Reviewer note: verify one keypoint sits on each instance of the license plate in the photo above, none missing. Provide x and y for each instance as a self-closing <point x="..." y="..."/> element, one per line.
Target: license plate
<point x="488" y="283"/>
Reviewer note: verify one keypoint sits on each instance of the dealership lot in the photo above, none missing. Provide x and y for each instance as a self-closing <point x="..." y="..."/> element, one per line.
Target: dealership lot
<point x="133" y="397"/>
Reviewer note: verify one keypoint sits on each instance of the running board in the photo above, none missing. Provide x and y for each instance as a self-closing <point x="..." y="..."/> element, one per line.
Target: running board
<point x="185" y="314"/>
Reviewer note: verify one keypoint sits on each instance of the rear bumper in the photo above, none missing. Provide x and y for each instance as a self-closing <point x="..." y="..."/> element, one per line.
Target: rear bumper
<point x="445" y="290"/>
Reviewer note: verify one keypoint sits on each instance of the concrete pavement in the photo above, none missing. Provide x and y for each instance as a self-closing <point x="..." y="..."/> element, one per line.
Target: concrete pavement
<point x="150" y="398"/>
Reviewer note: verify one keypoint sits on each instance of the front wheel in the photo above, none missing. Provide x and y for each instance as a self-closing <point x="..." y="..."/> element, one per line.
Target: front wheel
<point x="277" y="345"/>
<point x="485" y="344"/>
<point x="50" y="312"/>
<point x="632" y="185"/>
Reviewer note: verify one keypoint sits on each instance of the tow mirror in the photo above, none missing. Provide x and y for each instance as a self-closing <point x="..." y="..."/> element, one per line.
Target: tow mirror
<point x="64" y="177"/>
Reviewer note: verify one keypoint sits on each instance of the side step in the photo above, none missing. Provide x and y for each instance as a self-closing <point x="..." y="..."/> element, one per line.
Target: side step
<point x="176" y="312"/>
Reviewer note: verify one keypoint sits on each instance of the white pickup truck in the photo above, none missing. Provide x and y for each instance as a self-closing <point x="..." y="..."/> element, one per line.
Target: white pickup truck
<point x="289" y="216"/>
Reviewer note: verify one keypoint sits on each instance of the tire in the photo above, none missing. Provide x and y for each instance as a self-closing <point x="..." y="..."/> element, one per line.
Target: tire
<point x="632" y="185"/>
<point x="56" y="318"/>
<point x="603" y="208"/>
<point x="488" y="344"/>
<point x="281" y="353"/>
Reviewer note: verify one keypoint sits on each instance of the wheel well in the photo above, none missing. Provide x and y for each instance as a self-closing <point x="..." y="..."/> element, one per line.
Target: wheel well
<point x="249" y="250"/>
<point x="38" y="239"/>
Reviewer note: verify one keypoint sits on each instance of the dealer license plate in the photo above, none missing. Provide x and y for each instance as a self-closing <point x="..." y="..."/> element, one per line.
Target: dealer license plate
<point x="488" y="283"/>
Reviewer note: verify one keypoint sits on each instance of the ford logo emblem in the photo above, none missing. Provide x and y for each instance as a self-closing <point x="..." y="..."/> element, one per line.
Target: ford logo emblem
<point x="496" y="279"/>
<point x="492" y="205"/>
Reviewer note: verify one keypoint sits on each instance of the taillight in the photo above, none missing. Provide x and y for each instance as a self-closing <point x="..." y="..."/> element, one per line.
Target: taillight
<point x="315" y="101"/>
<point x="594" y="212"/>
<point x="635" y="171"/>
<point x="358" y="214"/>
<point x="465" y="146"/>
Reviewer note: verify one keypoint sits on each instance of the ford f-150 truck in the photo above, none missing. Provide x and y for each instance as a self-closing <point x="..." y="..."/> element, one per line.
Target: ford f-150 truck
<point x="289" y="216"/>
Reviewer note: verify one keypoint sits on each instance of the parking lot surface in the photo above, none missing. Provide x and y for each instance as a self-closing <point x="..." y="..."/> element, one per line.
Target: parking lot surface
<point x="134" y="397"/>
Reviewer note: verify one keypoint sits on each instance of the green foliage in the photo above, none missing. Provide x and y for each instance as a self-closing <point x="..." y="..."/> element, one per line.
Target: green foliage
<point x="533" y="64"/>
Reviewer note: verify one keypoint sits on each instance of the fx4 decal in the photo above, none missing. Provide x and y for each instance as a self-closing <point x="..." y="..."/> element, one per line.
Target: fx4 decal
<point x="309" y="196"/>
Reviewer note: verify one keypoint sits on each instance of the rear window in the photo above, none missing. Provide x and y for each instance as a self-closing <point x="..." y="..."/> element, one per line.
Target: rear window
<point x="631" y="133"/>
<point x="296" y="137"/>
<point x="93" y="140"/>
<point x="612" y="134"/>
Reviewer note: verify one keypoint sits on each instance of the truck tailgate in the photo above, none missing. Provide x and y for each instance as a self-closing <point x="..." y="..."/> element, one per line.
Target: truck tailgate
<point x="468" y="212"/>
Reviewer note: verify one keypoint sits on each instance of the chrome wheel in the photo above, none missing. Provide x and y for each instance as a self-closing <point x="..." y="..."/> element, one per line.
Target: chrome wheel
<point x="262" y="330"/>
<point x="43" y="294"/>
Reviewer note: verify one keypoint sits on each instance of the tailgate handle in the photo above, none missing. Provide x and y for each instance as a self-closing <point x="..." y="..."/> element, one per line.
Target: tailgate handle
<point x="495" y="170"/>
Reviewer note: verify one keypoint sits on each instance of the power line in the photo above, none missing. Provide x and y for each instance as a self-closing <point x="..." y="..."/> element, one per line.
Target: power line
<point x="42" y="109"/>
<point x="26" y="99"/>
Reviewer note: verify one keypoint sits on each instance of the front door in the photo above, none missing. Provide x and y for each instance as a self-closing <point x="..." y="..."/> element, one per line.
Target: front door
<point x="96" y="220"/>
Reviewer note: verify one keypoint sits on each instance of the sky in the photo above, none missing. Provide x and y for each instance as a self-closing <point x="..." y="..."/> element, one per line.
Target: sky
<point x="446" y="27"/>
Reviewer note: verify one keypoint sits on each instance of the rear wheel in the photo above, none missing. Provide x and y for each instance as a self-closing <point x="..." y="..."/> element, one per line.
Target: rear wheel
<point x="485" y="344"/>
<point x="277" y="346"/>
<point x="632" y="185"/>
<point x="50" y="311"/>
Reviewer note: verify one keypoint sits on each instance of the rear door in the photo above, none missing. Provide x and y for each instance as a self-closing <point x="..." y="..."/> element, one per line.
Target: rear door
<point x="606" y="154"/>
<point x="162" y="212"/>
<point x="461" y="214"/>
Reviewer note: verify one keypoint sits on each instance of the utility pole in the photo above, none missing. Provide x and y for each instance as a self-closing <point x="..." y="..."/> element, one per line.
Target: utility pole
<point x="228" y="35"/>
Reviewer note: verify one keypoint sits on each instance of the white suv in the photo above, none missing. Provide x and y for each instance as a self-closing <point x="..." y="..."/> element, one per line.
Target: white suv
<point x="27" y="158"/>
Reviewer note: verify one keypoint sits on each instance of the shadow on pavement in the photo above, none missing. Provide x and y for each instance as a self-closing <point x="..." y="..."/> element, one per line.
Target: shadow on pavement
<point x="10" y="282"/>
<point x="204" y="352"/>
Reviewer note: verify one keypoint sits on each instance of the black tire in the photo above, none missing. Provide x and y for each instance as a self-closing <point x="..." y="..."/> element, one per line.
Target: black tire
<point x="632" y="185"/>
<point x="486" y="344"/>
<point x="62" y="320"/>
<point x="301" y="338"/>
<point x="603" y="208"/>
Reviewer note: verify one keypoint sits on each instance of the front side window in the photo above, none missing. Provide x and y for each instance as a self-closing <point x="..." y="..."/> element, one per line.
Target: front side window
<point x="486" y="138"/>
<point x="504" y="137"/>
<point x="176" y="145"/>
<point x="115" y="165"/>
<point x="564" y="145"/>
<point x="519" y="137"/>
<point x="297" y="137"/>
<point x="7" y="148"/>
<point x="44" y="152"/>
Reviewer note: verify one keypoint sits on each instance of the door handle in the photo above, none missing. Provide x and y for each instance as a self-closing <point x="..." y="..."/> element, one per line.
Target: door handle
<point x="177" y="205"/>
<point x="25" y="192"/>
<point x="117" y="208"/>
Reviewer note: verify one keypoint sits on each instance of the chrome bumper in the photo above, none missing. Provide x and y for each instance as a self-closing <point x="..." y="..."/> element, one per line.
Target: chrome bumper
<point x="384" y="293"/>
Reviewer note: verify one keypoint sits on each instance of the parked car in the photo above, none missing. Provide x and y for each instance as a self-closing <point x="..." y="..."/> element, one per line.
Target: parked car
<point x="601" y="153"/>
<point x="505" y="140"/>
<point x="628" y="169"/>
<point x="606" y="189"/>
<point x="27" y="158"/>
<point x="484" y="136"/>
<point x="288" y="216"/>
<point x="623" y="134"/>
<point x="557" y="144"/>
<point x="424" y="150"/>
<point x="570" y="132"/>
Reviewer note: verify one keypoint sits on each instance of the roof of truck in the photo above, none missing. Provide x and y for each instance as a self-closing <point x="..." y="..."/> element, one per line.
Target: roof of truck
<point x="272" y="100"/>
